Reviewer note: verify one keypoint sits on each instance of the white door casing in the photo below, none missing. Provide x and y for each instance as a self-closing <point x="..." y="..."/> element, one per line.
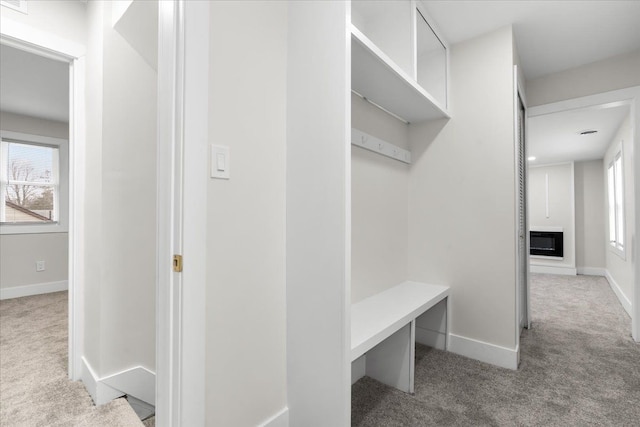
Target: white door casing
<point x="183" y="54"/>
<point x="49" y="45"/>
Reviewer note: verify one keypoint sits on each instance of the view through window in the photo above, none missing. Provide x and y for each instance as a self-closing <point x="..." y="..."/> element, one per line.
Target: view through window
<point x="616" y="202"/>
<point x="29" y="175"/>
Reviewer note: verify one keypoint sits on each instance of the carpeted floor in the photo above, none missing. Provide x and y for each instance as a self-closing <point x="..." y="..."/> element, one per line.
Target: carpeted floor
<point x="579" y="367"/>
<point x="34" y="388"/>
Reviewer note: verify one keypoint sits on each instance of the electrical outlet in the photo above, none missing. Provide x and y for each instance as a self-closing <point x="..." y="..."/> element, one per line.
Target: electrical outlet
<point x="40" y="266"/>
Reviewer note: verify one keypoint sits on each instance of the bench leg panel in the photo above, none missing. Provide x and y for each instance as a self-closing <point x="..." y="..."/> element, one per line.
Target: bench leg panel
<point x="392" y="361"/>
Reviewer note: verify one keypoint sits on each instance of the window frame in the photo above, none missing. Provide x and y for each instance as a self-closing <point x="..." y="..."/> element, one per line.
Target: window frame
<point x="616" y="213"/>
<point x="61" y="224"/>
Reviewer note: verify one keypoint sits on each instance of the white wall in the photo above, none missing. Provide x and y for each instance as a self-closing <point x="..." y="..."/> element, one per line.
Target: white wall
<point x="379" y="204"/>
<point x="590" y="216"/>
<point x="245" y="302"/>
<point x="613" y="73"/>
<point x="621" y="268"/>
<point x="19" y="252"/>
<point x="462" y="196"/>
<point x="121" y="201"/>
<point x="65" y="19"/>
<point x="561" y="208"/>
<point x="33" y="125"/>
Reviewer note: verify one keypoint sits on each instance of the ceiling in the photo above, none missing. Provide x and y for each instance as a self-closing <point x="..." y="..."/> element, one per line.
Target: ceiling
<point x="33" y="85"/>
<point x="551" y="36"/>
<point x="555" y="138"/>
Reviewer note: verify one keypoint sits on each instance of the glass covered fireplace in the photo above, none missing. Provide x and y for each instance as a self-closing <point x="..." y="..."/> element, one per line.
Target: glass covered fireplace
<point x="546" y="243"/>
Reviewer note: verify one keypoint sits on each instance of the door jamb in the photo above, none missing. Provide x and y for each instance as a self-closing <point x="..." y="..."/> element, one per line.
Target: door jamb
<point x="43" y="43"/>
<point x="183" y="63"/>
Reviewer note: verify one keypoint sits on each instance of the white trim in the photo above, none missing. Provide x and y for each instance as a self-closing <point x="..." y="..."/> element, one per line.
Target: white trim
<point x="77" y="179"/>
<point x="138" y="382"/>
<point x="169" y="110"/>
<point x="20" y="7"/>
<point x="52" y="46"/>
<point x="592" y="271"/>
<point x="40" y="42"/>
<point x="194" y="217"/>
<point x="100" y="393"/>
<point x="484" y="352"/>
<point x="624" y="301"/>
<point x="546" y="228"/>
<point x="182" y="139"/>
<point x="281" y="419"/>
<point x="35" y="289"/>
<point x="553" y="269"/>
<point x="547" y="257"/>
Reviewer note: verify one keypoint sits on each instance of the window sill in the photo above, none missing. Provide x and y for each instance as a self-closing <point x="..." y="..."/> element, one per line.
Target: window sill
<point x="619" y="252"/>
<point x="32" y="228"/>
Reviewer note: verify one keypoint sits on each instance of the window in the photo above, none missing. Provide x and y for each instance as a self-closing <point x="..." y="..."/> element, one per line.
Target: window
<point x="616" y="203"/>
<point x="33" y="184"/>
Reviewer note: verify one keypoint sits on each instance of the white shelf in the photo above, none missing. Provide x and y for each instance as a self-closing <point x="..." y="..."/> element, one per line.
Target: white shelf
<point x="376" y="77"/>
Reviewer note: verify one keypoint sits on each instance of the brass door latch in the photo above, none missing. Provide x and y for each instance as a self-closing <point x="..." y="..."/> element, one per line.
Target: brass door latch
<point x="177" y="263"/>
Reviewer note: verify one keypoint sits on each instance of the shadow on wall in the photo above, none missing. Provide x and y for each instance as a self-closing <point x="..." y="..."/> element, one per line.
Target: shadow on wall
<point x="428" y="132"/>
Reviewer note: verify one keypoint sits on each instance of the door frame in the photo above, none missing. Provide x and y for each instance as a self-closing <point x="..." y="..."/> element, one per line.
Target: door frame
<point x="52" y="46"/>
<point x="183" y="118"/>
<point x="630" y="96"/>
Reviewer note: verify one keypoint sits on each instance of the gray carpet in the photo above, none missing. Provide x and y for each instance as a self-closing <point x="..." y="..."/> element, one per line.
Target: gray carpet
<point x="579" y="367"/>
<point x="34" y="388"/>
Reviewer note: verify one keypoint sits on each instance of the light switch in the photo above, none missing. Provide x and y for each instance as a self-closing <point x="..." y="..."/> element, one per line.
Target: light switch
<point x="220" y="162"/>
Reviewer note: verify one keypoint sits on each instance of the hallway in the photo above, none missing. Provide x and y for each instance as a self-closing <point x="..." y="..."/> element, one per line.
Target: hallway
<point x="578" y="366"/>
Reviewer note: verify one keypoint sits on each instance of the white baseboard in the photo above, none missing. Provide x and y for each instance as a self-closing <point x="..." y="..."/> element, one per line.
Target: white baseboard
<point x="592" y="271"/>
<point x="484" y="352"/>
<point x="138" y="382"/>
<point x="548" y="269"/>
<point x="36" y="289"/>
<point x="281" y="419"/>
<point x="624" y="301"/>
<point x="100" y="393"/>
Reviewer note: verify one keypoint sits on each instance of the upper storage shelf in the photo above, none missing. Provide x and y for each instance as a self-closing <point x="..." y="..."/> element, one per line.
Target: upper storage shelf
<point x="395" y="55"/>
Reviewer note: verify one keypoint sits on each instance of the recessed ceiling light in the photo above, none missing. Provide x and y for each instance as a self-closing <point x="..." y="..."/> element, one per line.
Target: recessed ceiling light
<point x="588" y="132"/>
<point x="531" y="158"/>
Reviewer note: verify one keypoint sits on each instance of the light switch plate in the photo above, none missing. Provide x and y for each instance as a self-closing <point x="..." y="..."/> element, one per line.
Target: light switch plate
<point x="220" y="163"/>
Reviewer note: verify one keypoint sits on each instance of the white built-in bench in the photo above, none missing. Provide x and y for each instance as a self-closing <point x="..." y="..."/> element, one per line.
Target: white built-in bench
<point x="386" y="326"/>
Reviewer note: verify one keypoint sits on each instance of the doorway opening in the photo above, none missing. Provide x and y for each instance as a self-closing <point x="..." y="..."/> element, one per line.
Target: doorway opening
<point x="574" y="148"/>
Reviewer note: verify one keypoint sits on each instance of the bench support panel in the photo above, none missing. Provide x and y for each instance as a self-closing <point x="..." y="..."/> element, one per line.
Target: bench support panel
<point x="392" y="362"/>
<point x="431" y="327"/>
